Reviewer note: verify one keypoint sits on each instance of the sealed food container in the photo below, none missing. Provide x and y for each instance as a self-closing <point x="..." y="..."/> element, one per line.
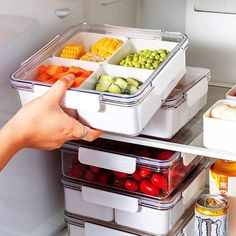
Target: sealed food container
<point x="231" y="94"/>
<point x="112" y="112"/>
<point x="187" y="98"/>
<point x="219" y="126"/>
<point x="79" y="225"/>
<point x="145" y="214"/>
<point x="134" y="169"/>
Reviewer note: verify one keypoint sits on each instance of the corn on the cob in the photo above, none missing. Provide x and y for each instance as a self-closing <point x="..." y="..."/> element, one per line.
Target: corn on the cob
<point x="106" y="46"/>
<point x="73" y="51"/>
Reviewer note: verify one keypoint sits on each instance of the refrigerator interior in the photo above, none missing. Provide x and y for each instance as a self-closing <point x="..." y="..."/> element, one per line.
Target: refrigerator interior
<point x="212" y="40"/>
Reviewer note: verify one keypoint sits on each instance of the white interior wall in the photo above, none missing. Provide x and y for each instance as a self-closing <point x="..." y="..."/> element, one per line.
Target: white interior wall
<point x="212" y="36"/>
<point x="114" y="12"/>
<point x="162" y="14"/>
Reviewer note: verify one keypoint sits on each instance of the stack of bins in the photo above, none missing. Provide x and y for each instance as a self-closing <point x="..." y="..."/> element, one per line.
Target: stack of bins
<point x="130" y="186"/>
<point x="126" y="186"/>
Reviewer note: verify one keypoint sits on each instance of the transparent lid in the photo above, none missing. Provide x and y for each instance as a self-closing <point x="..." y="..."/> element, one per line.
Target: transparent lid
<point x="145" y="156"/>
<point x="192" y="77"/>
<point x="163" y="204"/>
<point x="18" y="78"/>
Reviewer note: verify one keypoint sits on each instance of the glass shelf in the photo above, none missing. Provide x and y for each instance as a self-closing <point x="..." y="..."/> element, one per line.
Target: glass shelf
<point x="189" y="138"/>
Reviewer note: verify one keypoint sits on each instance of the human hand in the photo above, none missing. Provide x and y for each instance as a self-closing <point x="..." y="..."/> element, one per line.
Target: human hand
<point x="42" y="124"/>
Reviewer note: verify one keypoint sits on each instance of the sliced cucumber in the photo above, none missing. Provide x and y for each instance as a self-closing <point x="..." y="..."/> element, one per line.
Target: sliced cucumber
<point x="114" y="88"/>
<point x="131" y="89"/>
<point x="105" y="79"/>
<point x="132" y="82"/>
<point x="121" y="83"/>
<point x="102" y="87"/>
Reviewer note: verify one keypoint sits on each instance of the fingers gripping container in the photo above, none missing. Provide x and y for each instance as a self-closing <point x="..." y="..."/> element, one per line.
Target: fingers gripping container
<point x="187" y="98"/>
<point x="145" y="214"/>
<point x="133" y="169"/>
<point x="117" y="113"/>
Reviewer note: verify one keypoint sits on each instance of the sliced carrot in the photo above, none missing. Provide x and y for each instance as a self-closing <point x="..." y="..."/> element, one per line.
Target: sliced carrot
<point x="76" y="70"/>
<point x="42" y="69"/>
<point x="78" y="81"/>
<point x="60" y="69"/>
<point x="43" y="77"/>
<point x="52" y="69"/>
<point x="87" y="73"/>
<point x="59" y="75"/>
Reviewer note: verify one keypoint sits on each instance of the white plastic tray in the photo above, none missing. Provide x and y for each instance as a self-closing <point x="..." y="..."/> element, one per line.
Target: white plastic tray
<point x="169" y="119"/>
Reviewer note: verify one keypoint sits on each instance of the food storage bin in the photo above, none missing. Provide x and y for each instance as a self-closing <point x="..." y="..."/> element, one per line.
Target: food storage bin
<point x="111" y="112"/>
<point x="79" y="225"/>
<point x="130" y="168"/>
<point x="145" y="214"/>
<point x="219" y="133"/>
<point x="187" y="98"/>
<point x="231" y="94"/>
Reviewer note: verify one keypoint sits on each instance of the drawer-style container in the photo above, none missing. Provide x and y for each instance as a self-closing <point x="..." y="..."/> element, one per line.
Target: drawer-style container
<point x="111" y="112"/>
<point x="130" y="168"/>
<point x="82" y="226"/>
<point x="218" y="133"/>
<point x="187" y="98"/>
<point x="231" y="94"/>
<point x="145" y="214"/>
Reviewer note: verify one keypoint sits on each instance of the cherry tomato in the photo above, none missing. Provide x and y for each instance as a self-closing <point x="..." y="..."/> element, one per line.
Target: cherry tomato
<point x="131" y="185"/>
<point x="77" y="171"/>
<point x="160" y="181"/>
<point x="147" y="188"/>
<point x="143" y="153"/>
<point x="143" y="172"/>
<point x="120" y="175"/>
<point x="119" y="183"/>
<point x="103" y="178"/>
<point x="89" y="175"/>
<point x="137" y="176"/>
<point x="95" y="169"/>
<point x="165" y="155"/>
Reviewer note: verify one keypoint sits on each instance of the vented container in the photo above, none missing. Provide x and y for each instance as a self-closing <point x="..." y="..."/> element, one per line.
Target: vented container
<point x="118" y="113"/>
<point x="145" y="214"/>
<point x="187" y="98"/>
<point x="130" y="168"/>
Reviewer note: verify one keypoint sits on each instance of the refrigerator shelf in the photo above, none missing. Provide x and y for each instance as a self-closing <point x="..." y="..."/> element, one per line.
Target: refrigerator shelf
<point x="188" y="139"/>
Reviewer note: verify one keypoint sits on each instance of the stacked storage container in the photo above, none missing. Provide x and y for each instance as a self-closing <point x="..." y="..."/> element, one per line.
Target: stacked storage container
<point x="115" y="188"/>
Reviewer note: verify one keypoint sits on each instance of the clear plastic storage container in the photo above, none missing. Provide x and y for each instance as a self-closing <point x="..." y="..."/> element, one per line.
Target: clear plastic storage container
<point x="187" y="98"/>
<point x="130" y="168"/>
<point x="145" y="214"/>
<point x="111" y="112"/>
<point x="81" y="226"/>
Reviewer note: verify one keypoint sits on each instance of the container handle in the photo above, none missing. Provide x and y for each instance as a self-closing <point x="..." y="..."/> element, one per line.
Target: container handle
<point x="196" y="92"/>
<point x="98" y="230"/>
<point x="73" y="99"/>
<point x="189" y="194"/>
<point x="109" y="199"/>
<point x="187" y="158"/>
<point x="107" y="160"/>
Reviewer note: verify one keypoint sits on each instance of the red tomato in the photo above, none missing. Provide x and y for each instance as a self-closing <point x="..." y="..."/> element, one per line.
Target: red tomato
<point x="143" y="153"/>
<point x="160" y="181"/>
<point x="120" y="175"/>
<point x="143" y="172"/>
<point x="76" y="171"/>
<point x="137" y="176"/>
<point x="103" y="178"/>
<point x="165" y="155"/>
<point x="131" y="185"/>
<point x="147" y="188"/>
<point x="89" y="175"/>
<point x="95" y="169"/>
<point x="118" y="182"/>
